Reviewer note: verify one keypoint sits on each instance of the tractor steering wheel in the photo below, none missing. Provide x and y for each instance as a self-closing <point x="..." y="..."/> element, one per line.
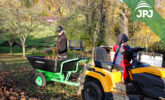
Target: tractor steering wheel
<point x="132" y="52"/>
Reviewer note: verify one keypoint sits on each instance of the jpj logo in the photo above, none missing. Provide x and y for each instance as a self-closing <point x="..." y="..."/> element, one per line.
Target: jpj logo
<point x="144" y="10"/>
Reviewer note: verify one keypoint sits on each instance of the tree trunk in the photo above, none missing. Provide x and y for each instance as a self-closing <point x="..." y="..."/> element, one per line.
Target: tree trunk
<point x="11" y="48"/>
<point x="124" y="25"/>
<point x="101" y="24"/>
<point x="23" y="49"/>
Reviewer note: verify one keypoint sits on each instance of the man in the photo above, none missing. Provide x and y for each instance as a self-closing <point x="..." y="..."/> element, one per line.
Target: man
<point x="61" y="43"/>
<point x="121" y="57"/>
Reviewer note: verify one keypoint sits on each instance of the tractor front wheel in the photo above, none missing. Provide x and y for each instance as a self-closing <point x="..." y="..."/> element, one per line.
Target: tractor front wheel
<point x="92" y="91"/>
<point x="40" y="80"/>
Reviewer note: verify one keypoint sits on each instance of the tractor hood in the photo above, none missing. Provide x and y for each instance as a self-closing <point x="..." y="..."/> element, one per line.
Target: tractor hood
<point x="157" y="71"/>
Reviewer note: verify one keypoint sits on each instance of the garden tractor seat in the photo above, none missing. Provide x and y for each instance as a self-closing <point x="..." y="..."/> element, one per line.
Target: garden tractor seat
<point x="100" y="57"/>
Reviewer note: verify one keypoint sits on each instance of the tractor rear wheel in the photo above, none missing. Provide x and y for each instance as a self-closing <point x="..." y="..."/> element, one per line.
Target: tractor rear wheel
<point x="40" y="79"/>
<point x="92" y="91"/>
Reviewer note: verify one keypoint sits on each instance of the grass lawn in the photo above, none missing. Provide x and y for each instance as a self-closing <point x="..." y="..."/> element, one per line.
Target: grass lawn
<point x="17" y="77"/>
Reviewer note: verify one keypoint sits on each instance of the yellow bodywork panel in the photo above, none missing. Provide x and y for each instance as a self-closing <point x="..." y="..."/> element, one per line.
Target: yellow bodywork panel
<point x="158" y="71"/>
<point x="107" y="80"/>
<point x="116" y="76"/>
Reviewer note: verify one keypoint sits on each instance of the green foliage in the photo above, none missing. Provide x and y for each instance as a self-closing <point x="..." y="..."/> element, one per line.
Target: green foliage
<point x="44" y="13"/>
<point x="44" y="36"/>
<point x="28" y="3"/>
<point x="4" y="49"/>
<point x="86" y="38"/>
<point x="2" y="40"/>
<point x="99" y="42"/>
<point x="76" y="28"/>
<point x="72" y="54"/>
<point x="73" y="27"/>
<point x="41" y="42"/>
<point x="37" y="53"/>
<point x="8" y="24"/>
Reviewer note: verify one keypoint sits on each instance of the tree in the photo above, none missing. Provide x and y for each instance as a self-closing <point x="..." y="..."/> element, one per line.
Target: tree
<point x="24" y="21"/>
<point x="7" y="27"/>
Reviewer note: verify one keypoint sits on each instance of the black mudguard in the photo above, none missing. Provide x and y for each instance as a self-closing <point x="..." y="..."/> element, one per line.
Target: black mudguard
<point x="151" y="85"/>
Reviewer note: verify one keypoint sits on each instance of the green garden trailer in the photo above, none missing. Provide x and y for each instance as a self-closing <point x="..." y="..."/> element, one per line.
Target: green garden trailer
<point x="59" y="70"/>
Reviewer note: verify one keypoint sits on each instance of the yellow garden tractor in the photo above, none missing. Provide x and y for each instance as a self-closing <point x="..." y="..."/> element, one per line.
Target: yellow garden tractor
<point x="103" y="81"/>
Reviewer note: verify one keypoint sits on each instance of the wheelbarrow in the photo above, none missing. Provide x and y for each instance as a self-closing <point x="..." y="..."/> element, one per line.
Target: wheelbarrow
<point x="58" y="70"/>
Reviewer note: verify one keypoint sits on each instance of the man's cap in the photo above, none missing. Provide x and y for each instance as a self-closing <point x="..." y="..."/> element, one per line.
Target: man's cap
<point x="60" y="28"/>
<point x="121" y="38"/>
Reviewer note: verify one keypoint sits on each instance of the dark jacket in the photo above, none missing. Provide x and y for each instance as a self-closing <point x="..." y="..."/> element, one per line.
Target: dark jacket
<point x="62" y="45"/>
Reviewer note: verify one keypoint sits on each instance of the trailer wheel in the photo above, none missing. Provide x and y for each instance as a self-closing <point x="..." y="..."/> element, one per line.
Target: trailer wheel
<point x="92" y="91"/>
<point x="40" y="80"/>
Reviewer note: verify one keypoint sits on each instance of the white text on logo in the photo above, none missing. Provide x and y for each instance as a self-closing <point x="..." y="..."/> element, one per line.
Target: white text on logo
<point x="145" y="13"/>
